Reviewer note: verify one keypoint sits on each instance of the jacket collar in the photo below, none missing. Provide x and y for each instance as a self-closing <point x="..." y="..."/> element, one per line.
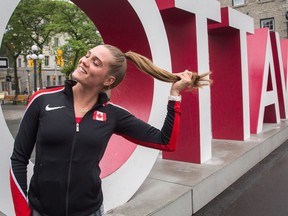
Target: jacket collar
<point x="102" y="99"/>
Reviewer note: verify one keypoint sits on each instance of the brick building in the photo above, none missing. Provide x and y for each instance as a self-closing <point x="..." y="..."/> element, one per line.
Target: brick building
<point x="266" y="13"/>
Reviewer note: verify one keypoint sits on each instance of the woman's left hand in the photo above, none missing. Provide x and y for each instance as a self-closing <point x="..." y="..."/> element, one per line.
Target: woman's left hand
<point x="186" y="80"/>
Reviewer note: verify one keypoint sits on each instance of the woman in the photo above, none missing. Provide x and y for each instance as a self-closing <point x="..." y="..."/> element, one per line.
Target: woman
<point x="71" y="126"/>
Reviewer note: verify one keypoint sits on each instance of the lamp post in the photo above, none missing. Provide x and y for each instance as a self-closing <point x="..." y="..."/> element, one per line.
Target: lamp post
<point x="28" y="85"/>
<point x="34" y="56"/>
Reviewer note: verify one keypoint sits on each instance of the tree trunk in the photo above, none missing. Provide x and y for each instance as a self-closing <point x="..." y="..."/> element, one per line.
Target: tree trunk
<point x="17" y="91"/>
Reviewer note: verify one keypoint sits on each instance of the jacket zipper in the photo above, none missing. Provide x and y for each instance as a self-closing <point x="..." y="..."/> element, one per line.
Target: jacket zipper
<point x="77" y="127"/>
<point x="69" y="169"/>
<point x="70" y="163"/>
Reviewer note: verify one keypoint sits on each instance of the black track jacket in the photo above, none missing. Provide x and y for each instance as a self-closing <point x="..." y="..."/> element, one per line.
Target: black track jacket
<point x="66" y="172"/>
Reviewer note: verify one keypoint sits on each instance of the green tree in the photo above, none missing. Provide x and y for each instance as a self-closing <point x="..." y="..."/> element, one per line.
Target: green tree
<point x="28" y="25"/>
<point x="81" y="31"/>
<point x="13" y="44"/>
<point x="35" y="17"/>
<point x="37" y="21"/>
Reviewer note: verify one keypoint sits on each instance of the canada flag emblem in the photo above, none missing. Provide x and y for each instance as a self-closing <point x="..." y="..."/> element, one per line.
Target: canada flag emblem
<point x="99" y="116"/>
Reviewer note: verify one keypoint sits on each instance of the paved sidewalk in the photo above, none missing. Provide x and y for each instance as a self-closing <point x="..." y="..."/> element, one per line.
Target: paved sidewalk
<point x="13" y="115"/>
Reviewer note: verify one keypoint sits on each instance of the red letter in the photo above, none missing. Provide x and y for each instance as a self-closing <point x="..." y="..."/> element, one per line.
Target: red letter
<point x="281" y="74"/>
<point x="262" y="83"/>
<point x="186" y="25"/>
<point x="230" y="92"/>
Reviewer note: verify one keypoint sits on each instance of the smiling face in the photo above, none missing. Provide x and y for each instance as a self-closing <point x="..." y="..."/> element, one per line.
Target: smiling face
<point x="92" y="70"/>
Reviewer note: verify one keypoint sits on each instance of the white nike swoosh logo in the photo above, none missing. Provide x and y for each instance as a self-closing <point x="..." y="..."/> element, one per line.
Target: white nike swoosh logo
<point x="47" y="108"/>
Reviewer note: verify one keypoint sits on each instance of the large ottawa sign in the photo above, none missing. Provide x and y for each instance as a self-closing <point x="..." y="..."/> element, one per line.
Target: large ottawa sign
<point x="249" y="69"/>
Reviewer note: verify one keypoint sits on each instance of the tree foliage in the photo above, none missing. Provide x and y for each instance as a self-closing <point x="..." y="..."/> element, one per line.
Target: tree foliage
<point x="81" y="31"/>
<point x="28" y="25"/>
<point x="37" y="21"/>
<point x="12" y="47"/>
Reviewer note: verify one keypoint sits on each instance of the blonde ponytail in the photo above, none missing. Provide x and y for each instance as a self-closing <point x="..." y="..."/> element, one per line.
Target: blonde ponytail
<point x="147" y="66"/>
<point x="118" y="69"/>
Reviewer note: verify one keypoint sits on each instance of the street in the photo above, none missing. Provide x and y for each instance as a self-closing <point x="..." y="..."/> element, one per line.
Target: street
<point x="262" y="191"/>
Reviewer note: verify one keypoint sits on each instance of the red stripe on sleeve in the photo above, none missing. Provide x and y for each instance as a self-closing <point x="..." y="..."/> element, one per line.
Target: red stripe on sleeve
<point x="43" y="91"/>
<point x="171" y="146"/>
<point x="21" y="206"/>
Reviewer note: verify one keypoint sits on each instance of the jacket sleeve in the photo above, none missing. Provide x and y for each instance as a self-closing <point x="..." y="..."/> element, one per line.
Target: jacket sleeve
<point x="140" y="132"/>
<point x="23" y="147"/>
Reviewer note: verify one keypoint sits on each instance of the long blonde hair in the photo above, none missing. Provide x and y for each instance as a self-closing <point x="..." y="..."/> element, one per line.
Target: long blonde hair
<point x="119" y="66"/>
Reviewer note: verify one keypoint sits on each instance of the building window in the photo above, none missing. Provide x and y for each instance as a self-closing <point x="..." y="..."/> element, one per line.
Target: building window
<point x="60" y="82"/>
<point x="46" y="61"/>
<point x="3" y="86"/>
<point x="268" y="23"/>
<point x="19" y="62"/>
<point x="238" y="2"/>
<point x="56" y="42"/>
<point x="48" y="81"/>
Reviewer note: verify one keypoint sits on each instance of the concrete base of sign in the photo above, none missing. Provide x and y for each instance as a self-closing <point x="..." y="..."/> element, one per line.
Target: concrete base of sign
<point x="178" y="188"/>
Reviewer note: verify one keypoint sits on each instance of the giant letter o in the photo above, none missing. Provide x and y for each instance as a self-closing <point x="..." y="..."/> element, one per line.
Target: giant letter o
<point x="130" y="25"/>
